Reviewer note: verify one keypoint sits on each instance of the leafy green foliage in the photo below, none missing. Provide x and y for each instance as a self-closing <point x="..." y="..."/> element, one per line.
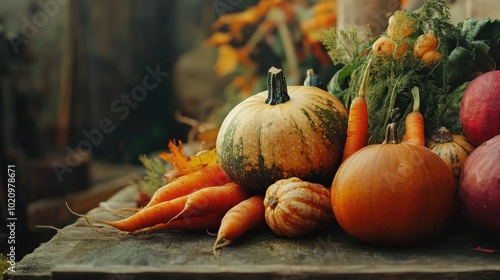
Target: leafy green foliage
<point x="4" y="264"/>
<point x="345" y="46"/>
<point x="153" y="178"/>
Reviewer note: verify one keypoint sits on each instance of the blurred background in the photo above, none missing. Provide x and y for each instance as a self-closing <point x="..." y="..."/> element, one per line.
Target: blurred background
<point x="88" y="86"/>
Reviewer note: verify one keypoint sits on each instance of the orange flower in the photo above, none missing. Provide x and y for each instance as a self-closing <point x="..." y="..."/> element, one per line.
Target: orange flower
<point x="227" y="60"/>
<point x="218" y="38"/>
<point x="251" y="16"/>
<point x="324" y="16"/>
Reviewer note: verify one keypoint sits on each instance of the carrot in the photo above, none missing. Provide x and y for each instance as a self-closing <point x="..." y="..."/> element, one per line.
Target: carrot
<point x="414" y="122"/>
<point x="209" y="221"/>
<point x="201" y="202"/>
<point x="210" y="200"/>
<point x="357" y="123"/>
<point x="151" y="216"/>
<point x="243" y="217"/>
<point x="209" y="176"/>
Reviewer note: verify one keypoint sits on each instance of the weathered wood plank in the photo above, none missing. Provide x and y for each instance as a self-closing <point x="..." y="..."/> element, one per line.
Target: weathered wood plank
<point x="81" y="252"/>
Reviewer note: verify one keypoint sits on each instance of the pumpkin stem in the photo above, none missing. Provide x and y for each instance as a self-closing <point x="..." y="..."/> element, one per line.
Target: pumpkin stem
<point x="272" y="201"/>
<point x="443" y="135"/>
<point x="313" y="80"/>
<point x="390" y="134"/>
<point x="276" y="87"/>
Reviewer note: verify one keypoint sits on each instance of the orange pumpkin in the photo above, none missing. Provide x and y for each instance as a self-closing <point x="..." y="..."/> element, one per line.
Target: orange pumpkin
<point x="393" y="193"/>
<point x="453" y="149"/>
<point x="295" y="207"/>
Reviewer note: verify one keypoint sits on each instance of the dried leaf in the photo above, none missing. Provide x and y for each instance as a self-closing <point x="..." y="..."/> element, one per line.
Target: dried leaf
<point x="324" y="16"/>
<point x="182" y="165"/>
<point x="237" y="21"/>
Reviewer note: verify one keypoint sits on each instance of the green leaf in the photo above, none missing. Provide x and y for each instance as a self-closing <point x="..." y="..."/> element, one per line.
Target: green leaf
<point x="474" y="29"/>
<point x="459" y="62"/>
<point x="486" y="30"/>
<point x="340" y="82"/>
<point x="449" y="108"/>
<point x="482" y="60"/>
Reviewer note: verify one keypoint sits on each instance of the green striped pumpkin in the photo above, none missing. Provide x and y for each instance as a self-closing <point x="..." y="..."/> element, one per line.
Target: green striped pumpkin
<point x="282" y="132"/>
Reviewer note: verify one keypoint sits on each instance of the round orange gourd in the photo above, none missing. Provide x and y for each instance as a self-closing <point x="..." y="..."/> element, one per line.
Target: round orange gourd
<point x="425" y="43"/>
<point x="282" y="132"/>
<point x="400" y="26"/>
<point x="393" y="193"/>
<point x="295" y="208"/>
<point x="387" y="46"/>
<point x="453" y="149"/>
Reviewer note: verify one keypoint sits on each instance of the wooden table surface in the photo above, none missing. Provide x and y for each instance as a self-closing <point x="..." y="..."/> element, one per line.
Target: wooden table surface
<point x="79" y="251"/>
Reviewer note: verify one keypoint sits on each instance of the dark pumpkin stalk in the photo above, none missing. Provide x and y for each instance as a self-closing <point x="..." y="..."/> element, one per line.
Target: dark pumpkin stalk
<point x="443" y="135"/>
<point x="313" y="79"/>
<point x="390" y="134"/>
<point x="272" y="201"/>
<point x="276" y="87"/>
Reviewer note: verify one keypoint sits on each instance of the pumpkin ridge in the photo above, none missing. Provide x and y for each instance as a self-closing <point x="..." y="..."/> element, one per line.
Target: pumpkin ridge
<point x="229" y="150"/>
<point x="260" y="157"/>
<point x="336" y="115"/>
<point x="313" y="201"/>
<point x="272" y="218"/>
<point x="302" y="137"/>
<point x="268" y="173"/>
<point x="285" y="225"/>
<point x="293" y="221"/>
<point x="463" y="147"/>
<point x="305" y="212"/>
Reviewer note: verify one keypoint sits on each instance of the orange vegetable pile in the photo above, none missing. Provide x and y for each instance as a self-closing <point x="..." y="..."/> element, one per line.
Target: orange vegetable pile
<point x="203" y="193"/>
<point x="295" y="159"/>
<point x="202" y="197"/>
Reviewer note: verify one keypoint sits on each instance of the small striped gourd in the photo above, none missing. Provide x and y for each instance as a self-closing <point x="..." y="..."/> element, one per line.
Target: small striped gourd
<point x="453" y="149"/>
<point x="282" y="132"/>
<point x="295" y="208"/>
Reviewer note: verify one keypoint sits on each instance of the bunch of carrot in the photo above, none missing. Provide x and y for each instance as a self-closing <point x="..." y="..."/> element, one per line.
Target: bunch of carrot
<point x="357" y="125"/>
<point x="204" y="199"/>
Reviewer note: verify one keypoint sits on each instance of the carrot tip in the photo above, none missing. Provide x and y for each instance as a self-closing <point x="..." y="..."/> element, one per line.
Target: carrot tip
<point x="178" y="215"/>
<point x="218" y="245"/>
